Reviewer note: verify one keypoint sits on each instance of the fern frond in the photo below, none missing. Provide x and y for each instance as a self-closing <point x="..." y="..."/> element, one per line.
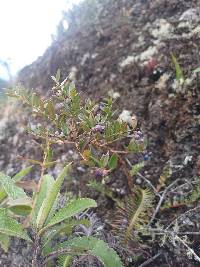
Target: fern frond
<point x="184" y="200"/>
<point x="195" y="195"/>
<point x="164" y="177"/>
<point x="135" y="214"/>
<point x="64" y="261"/>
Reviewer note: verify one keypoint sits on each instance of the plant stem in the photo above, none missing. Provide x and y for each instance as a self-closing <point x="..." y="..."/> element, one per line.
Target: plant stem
<point x="36" y="253"/>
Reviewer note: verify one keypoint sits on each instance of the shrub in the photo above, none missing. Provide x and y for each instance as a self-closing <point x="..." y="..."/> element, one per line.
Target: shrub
<point x="93" y="130"/>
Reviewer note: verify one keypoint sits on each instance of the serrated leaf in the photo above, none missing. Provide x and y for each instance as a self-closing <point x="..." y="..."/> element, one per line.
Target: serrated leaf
<point x="112" y="164"/>
<point x="16" y="178"/>
<point x="136" y="212"/>
<point x="136" y="147"/>
<point x="11" y="227"/>
<point x="4" y="242"/>
<point x="10" y="188"/>
<point x="51" y="198"/>
<point x="71" y="209"/>
<point x="93" y="246"/>
<point x="64" y="261"/>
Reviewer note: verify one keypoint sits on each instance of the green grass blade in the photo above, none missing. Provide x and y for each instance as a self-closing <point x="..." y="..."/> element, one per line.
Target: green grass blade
<point x="179" y="71"/>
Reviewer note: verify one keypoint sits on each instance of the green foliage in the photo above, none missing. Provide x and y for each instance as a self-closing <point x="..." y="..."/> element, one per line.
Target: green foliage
<point x="10" y="227"/>
<point x="179" y="72"/>
<point x="136" y="168"/>
<point x="64" y="261"/>
<point x="136" y="212"/>
<point x="71" y="209"/>
<point x="184" y="200"/>
<point x="46" y="186"/>
<point x="112" y="163"/>
<point x="93" y="246"/>
<point x="10" y="188"/>
<point x="95" y="131"/>
<point x="164" y="177"/>
<point x="194" y="195"/>
<point x="15" y="179"/>
<point x="20" y="175"/>
<point x="51" y="196"/>
<point x="14" y="199"/>
<point x="4" y="242"/>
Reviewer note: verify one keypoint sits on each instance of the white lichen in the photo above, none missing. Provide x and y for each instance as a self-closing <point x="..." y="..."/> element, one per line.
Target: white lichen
<point x="191" y="15"/>
<point x="163" y="29"/>
<point x="85" y="58"/>
<point x="128" y="61"/>
<point x="126" y="116"/>
<point x="147" y="54"/>
<point x="114" y="94"/>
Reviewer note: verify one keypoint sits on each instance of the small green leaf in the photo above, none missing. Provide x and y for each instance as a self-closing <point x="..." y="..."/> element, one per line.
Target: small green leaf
<point x="50" y="111"/>
<point x="22" y="174"/>
<point x="112" y="164"/>
<point x="64" y="127"/>
<point x="35" y="100"/>
<point x="10" y="226"/>
<point x="136" y="147"/>
<point x="104" y="160"/>
<point x="71" y="209"/>
<point x="179" y="72"/>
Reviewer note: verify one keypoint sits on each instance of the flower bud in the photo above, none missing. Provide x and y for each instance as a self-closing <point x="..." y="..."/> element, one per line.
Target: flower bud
<point x="98" y="128"/>
<point x="99" y="173"/>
